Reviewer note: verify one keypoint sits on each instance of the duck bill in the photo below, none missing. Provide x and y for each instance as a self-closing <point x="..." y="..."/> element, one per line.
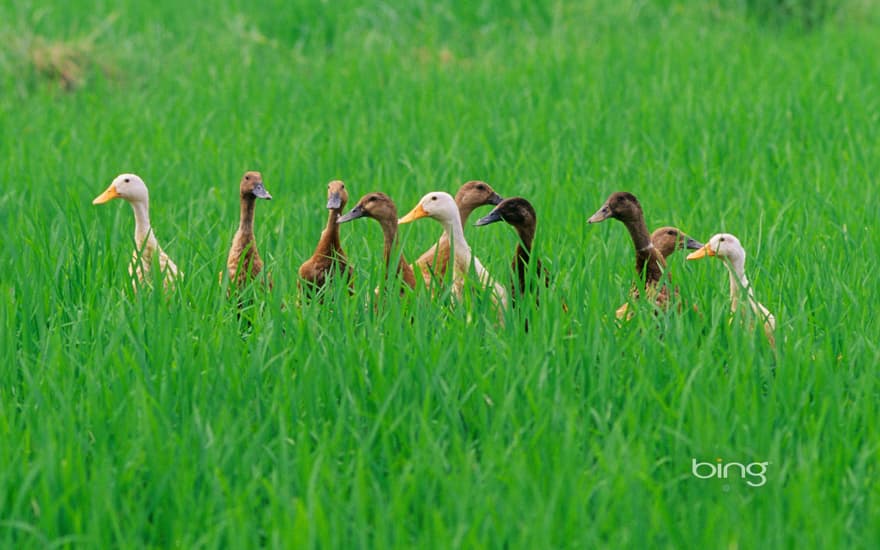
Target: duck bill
<point x="108" y="195"/>
<point x="353" y="214"/>
<point x="491" y="217"/>
<point x="260" y="192"/>
<point x="495" y="199"/>
<point x="414" y="214"/>
<point x="334" y="201"/>
<point x="601" y="215"/>
<point x="705" y="250"/>
<point x="693" y="244"/>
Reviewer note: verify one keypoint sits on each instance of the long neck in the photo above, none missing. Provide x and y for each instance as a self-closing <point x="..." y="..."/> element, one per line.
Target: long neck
<point x="330" y="236"/>
<point x="738" y="281"/>
<point x="455" y="232"/>
<point x="526" y="234"/>
<point x="522" y="256"/>
<point x="649" y="262"/>
<point x="246" y="223"/>
<point x="389" y="233"/>
<point x="464" y="211"/>
<point x="639" y="232"/>
<point x="143" y="231"/>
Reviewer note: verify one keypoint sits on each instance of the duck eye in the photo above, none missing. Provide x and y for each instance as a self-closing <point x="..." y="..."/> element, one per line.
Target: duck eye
<point x="481" y="187"/>
<point x="721" y="239"/>
<point x="371" y="199"/>
<point x="127" y="180"/>
<point x="434" y="198"/>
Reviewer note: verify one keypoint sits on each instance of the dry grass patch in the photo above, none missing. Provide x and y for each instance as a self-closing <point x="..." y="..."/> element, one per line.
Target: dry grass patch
<point x="68" y="63"/>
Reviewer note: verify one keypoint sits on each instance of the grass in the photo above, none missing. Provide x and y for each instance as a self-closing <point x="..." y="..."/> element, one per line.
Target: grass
<point x="136" y="420"/>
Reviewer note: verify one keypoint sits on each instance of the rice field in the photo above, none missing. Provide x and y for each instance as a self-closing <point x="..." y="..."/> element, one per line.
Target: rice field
<point x="175" y="419"/>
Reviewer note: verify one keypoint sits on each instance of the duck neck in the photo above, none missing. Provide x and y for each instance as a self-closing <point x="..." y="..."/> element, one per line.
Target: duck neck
<point x="639" y="232"/>
<point x="143" y="231"/>
<point x="389" y="233"/>
<point x="527" y="237"/>
<point x="524" y="247"/>
<point x="330" y="236"/>
<point x="246" y="223"/>
<point x="464" y="211"/>
<point x="455" y="233"/>
<point x="649" y="262"/>
<point x="738" y="281"/>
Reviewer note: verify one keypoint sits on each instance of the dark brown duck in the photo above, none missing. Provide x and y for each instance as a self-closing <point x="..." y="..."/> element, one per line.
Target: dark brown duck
<point x="520" y="214"/>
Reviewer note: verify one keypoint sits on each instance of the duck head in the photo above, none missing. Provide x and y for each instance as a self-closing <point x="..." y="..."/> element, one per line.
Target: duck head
<point x="723" y="245"/>
<point x="337" y="196"/>
<point x="252" y="186"/>
<point x="378" y="206"/>
<point x="515" y="211"/>
<point x="126" y="186"/>
<point x="476" y="193"/>
<point x="669" y="239"/>
<point x="621" y="205"/>
<point x="438" y="205"/>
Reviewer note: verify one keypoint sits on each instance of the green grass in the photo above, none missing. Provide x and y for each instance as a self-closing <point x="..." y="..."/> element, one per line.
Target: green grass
<point x="135" y="420"/>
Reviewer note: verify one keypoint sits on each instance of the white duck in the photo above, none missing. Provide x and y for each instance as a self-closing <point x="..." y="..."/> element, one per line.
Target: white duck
<point x="441" y="207"/>
<point x="728" y="248"/>
<point x="132" y="189"/>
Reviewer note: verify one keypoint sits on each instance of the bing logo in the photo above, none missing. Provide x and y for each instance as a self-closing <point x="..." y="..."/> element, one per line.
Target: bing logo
<point x="754" y="474"/>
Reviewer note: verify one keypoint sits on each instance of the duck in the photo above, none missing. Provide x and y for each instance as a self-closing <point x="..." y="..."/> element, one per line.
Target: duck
<point x="244" y="263"/>
<point x="132" y="189"/>
<point x="441" y="207"/>
<point x="470" y="196"/>
<point x="650" y="263"/>
<point x="669" y="239"/>
<point x="328" y="256"/>
<point x="381" y="208"/>
<point x="519" y="213"/>
<point x="730" y="251"/>
<point x="666" y="240"/>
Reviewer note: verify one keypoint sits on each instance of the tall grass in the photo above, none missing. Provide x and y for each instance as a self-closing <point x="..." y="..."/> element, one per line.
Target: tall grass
<point x="146" y="420"/>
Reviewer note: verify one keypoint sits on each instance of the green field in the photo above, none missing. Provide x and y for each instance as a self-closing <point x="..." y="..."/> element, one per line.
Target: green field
<point x="140" y="420"/>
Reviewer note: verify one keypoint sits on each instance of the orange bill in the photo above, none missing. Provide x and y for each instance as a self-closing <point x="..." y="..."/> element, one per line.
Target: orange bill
<point x="414" y="214"/>
<point x="107" y="195"/>
<point x="702" y="252"/>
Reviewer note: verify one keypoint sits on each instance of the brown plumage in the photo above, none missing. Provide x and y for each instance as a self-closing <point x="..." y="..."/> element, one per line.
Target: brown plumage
<point x="328" y="257"/>
<point x="243" y="263"/>
<point x="650" y="263"/>
<point x="520" y="214"/>
<point x="666" y="240"/>
<point x="435" y="260"/>
<point x="381" y="208"/>
<point x="669" y="239"/>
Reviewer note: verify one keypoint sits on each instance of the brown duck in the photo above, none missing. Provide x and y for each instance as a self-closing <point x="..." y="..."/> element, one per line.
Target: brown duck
<point x="381" y="208"/>
<point x="328" y="257"/>
<point x="666" y="240"/>
<point x="243" y="263"/>
<point x="519" y="213"/>
<point x="650" y="263"/>
<point x="435" y="260"/>
<point x="669" y="239"/>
